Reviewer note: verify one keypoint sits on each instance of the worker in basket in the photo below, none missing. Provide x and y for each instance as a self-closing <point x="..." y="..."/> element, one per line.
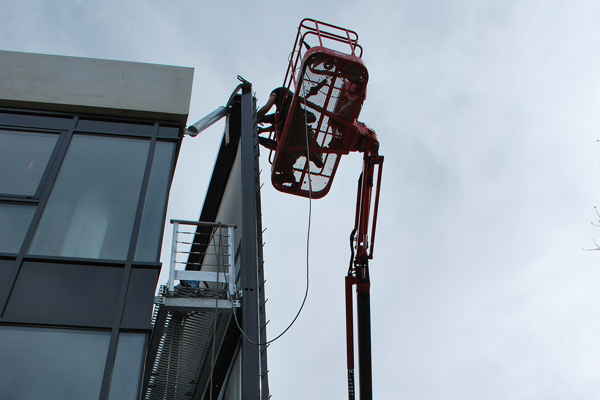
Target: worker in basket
<point x="297" y="131"/>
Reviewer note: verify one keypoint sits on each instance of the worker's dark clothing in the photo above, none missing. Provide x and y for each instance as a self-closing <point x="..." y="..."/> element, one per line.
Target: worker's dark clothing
<point x="282" y="103"/>
<point x="298" y="131"/>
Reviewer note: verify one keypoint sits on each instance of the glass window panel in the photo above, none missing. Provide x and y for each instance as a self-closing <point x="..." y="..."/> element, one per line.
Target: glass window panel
<point x="92" y="206"/>
<point x="127" y="372"/>
<point x="43" y="363"/>
<point x="14" y="223"/>
<point x="23" y="160"/>
<point x="149" y="241"/>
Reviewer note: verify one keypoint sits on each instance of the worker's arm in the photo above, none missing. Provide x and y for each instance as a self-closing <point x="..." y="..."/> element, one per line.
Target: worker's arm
<point x="265" y="109"/>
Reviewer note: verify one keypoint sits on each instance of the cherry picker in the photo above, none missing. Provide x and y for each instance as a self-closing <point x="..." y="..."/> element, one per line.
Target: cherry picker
<point x="329" y="81"/>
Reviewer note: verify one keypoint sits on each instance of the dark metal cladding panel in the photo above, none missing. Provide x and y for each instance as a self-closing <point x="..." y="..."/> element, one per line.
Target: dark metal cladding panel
<point x="115" y="127"/>
<point x="36" y="121"/>
<point x="170" y="131"/>
<point x="82" y="295"/>
<point x="140" y="299"/>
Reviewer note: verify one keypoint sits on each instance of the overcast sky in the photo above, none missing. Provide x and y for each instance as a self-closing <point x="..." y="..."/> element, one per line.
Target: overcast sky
<point x="487" y="114"/>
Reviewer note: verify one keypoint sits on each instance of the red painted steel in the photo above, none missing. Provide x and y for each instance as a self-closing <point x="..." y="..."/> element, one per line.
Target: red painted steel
<point x="329" y="82"/>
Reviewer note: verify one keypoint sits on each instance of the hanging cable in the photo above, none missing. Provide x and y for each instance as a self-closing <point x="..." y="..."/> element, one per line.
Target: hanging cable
<point x="307" y="166"/>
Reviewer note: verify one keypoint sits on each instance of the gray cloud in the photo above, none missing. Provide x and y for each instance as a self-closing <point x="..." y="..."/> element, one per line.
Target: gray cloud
<point x="488" y="117"/>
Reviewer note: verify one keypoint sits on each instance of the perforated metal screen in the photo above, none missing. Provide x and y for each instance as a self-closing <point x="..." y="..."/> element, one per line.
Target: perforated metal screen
<point x="184" y="340"/>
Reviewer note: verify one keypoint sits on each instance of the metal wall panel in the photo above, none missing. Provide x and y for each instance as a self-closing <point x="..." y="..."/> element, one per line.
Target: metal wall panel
<point x="140" y="298"/>
<point x="80" y="295"/>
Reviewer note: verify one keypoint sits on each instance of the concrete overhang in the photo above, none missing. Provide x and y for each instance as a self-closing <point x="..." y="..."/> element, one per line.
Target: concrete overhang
<point x="95" y="86"/>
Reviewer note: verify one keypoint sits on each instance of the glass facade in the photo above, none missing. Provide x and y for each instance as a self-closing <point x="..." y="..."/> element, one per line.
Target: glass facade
<point x="148" y="245"/>
<point x="127" y="372"/>
<point x="71" y="188"/>
<point x="23" y="160"/>
<point x="44" y="363"/>
<point x="92" y="206"/>
<point x="14" y="222"/>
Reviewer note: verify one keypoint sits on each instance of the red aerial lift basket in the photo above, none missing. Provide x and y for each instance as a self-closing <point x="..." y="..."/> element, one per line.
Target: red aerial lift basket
<point x="329" y="86"/>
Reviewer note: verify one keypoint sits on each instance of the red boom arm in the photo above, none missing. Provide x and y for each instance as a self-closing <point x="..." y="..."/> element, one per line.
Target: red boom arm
<point x="358" y="273"/>
<point x="329" y="89"/>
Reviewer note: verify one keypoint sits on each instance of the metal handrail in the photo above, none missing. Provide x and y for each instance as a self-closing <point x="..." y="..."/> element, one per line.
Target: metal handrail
<point x="222" y="252"/>
<point x="203" y="223"/>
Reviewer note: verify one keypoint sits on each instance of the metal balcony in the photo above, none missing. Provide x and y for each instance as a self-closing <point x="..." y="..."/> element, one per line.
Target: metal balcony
<point x="194" y="306"/>
<point x="202" y="267"/>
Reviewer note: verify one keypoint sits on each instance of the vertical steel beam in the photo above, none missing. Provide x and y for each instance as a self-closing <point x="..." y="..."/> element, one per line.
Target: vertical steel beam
<point x="249" y="270"/>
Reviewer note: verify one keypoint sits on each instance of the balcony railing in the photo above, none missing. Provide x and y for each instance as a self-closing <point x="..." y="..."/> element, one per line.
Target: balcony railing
<point x="203" y="257"/>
